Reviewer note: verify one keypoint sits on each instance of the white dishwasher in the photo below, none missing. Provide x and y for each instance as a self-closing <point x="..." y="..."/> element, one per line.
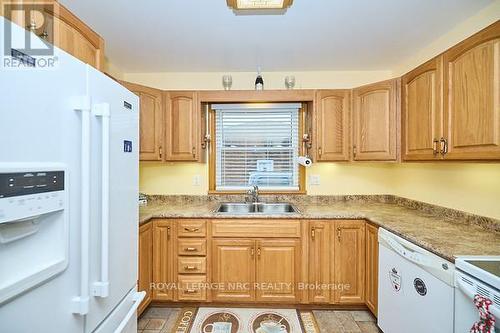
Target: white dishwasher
<point x="415" y="288"/>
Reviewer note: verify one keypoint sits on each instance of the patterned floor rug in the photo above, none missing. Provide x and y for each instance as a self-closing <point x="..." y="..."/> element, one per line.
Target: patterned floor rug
<point x="245" y="320"/>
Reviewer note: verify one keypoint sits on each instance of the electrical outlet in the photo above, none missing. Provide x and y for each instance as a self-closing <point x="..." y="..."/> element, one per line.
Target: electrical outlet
<point x="196" y="180"/>
<point x="314" y="180"/>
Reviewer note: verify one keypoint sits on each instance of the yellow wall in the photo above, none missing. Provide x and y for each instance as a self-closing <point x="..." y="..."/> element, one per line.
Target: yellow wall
<point x="246" y="80"/>
<point x="471" y="187"/>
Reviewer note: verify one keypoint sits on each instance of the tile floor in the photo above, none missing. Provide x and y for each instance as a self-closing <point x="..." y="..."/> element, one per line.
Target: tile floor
<point x="162" y="320"/>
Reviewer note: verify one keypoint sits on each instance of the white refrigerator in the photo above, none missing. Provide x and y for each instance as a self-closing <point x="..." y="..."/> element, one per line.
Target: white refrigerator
<point x="68" y="197"/>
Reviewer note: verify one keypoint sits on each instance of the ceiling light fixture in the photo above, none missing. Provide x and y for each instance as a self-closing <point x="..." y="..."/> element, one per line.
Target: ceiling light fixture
<point x="259" y="4"/>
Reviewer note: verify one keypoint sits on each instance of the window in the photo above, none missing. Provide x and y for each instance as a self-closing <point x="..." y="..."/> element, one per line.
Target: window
<point x="256" y="144"/>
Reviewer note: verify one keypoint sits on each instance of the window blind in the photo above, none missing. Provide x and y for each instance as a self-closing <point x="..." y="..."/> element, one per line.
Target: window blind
<point x="257" y="144"/>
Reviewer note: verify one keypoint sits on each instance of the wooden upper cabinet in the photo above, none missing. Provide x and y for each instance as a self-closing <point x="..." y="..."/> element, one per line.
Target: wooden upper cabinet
<point x="151" y="121"/>
<point x="145" y="264"/>
<point x="332" y="125"/>
<point x="56" y="24"/>
<point x="371" y="281"/>
<point x="278" y="263"/>
<point x="319" y="260"/>
<point x="182" y="126"/>
<point x="233" y="264"/>
<point x="348" y="269"/>
<point x="472" y="106"/>
<point x="375" y="121"/>
<point x="421" y="111"/>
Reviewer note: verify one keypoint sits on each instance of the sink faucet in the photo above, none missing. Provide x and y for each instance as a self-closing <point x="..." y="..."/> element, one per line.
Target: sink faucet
<point x="254" y="193"/>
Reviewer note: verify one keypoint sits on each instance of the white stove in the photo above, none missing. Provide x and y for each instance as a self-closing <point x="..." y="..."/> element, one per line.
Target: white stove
<point x="476" y="275"/>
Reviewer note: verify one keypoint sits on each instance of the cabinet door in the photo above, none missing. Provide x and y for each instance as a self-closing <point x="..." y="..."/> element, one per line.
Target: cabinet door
<point x="371" y="294"/>
<point x="145" y="264"/>
<point x="182" y="126"/>
<point x="319" y="260"/>
<point x="349" y="261"/>
<point x="163" y="259"/>
<point x="375" y="121"/>
<point x="277" y="270"/>
<point x="332" y="125"/>
<point x="151" y="121"/>
<point x="472" y="104"/>
<point x="233" y="266"/>
<point x="421" y="111"/>
<point x="58" y="26"/>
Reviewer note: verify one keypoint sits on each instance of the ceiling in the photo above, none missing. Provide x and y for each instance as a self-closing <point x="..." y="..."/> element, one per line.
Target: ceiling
<point x="205" y="35"/>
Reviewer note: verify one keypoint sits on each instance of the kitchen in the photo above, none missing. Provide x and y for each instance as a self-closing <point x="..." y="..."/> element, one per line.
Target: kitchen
<point x="250" y="166"/>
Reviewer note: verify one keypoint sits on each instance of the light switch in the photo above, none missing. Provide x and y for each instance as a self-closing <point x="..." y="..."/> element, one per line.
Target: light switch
<point x="314" y="180"/>
<point x="196" y="180"/>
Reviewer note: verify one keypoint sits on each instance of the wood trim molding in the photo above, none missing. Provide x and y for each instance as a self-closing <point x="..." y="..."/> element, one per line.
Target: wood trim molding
<point x="253" y="96"/>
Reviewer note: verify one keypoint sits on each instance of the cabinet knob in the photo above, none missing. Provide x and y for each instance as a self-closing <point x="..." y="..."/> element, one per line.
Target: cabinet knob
<point x="320" y="151"/>
<point x="193" y="151"/>
<point x="190" y="249"/>
<point x="190" y="291"/>
<point x="192" y="229"/>
<point x="258" y="252"/>
<point x="160" y="152"/>
<point x="339" y="233"/>
<point x="313" y="233"/>
<point x="190" y="268"/>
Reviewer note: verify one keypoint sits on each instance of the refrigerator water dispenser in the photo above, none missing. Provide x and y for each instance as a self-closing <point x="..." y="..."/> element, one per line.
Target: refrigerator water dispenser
<point x="33" y="226"/>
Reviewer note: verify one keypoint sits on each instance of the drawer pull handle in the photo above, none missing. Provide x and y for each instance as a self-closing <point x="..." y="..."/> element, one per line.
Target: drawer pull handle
<point x="190" y="249"/>
<point x="192" y="229"/>
<point x="190" y="291"/>
<point x="190" y="268"/>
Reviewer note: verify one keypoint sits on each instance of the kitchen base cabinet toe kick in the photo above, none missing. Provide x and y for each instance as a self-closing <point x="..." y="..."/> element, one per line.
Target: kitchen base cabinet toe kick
<point x="308" y="263"/>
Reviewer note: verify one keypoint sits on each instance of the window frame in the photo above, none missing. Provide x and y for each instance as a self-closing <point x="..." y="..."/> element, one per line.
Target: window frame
<point x="212" y="163"/>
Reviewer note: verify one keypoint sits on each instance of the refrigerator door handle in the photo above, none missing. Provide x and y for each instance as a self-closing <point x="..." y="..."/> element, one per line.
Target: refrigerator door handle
<point x="101" y="288"/>
<point x="80" y="304"/>
<point x="138" y="297"/>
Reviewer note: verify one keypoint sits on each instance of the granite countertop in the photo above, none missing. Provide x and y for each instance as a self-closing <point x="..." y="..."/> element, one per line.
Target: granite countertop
<point x="447" y="235"/>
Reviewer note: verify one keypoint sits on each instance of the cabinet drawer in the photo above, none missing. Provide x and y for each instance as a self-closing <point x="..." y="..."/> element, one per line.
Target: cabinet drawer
<point x="192" y="228"/>
<point x="256" y="228"/>
<point x="192" y="247"/>
<point x="192" y="265"/>
<point x="191" y="288"/>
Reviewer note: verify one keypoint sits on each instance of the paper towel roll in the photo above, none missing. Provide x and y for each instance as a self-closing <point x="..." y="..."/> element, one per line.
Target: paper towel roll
<point x="305" y="161"/>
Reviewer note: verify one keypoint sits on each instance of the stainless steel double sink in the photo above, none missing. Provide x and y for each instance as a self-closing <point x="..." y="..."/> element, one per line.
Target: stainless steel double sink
<point x="256" y="208"/>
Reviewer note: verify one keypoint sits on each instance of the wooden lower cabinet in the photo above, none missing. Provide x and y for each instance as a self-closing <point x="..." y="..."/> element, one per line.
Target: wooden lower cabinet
<point x="277" y="270"/>
<point x="371" y="278"/>
<point x="191" y="288"/>
<point x="233" y="268"/>
<point x="246" y="269"/>
<point x="336" y="259"/>
<point x="145" y="264"/>
<point x="348" y="272"/>
<point x="319" y="260"/>
<point x="163" y="260"/>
